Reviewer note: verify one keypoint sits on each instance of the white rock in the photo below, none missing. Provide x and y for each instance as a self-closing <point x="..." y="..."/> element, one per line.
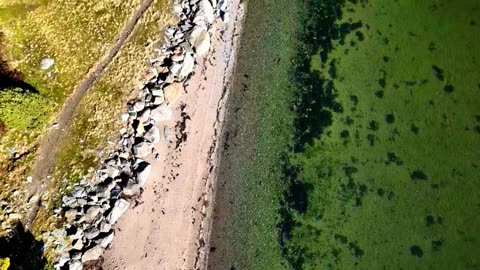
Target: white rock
<point x="161" y="113"/>
<point x="75" y="265"/>
<point x="143" y="172"/>
<point x="188" y="65"/>
<point x="106" y="241"/>
<point x="46" y="63"/>
<point x="143" y="149"/>
<point x="118" y="210"/>
<point x="92" y="254"/>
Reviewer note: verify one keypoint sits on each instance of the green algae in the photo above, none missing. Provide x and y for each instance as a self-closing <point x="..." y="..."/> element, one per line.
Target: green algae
<point x="396" y="186"/>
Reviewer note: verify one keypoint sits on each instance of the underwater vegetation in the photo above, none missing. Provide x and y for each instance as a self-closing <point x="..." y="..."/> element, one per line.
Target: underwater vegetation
<point x="384" y="173"/>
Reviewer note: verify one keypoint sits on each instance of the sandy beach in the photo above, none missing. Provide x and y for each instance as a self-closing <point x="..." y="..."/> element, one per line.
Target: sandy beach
<point x="164" y="228"/>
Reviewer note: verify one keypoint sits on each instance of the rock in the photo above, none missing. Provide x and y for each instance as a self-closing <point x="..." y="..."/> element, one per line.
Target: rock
<point x="142" y="170"/>
<point x="173" y="92"/>
<point x="46" y="63"/>
<point x="205" y="12"/>
<point x="92" y="254"/>
<point x="70" y="215"/>
<point x="188" y="65"/>
<point x="105" y="241"/>
<point x="118" y="210"/>
<point x="75" y="265"/>
<point x="157" y="92"/>
<point x="131" y="189"/>
<point x="34" y="199"/>
<point x="64" y="258"/>
<point x="124" y="117"/>
<point x="152" y="135"/>
<point x="104" y="227"/>
<point x="166" y="132"/>
<point x="142" y="149"/>
<point x="77" y="235"/>
<point x="144" y="116"/>
<point x="158" y="100"/>
<point x="161" y="113"/>
<point x="177" y="57"/>
<point x="175" y="69"/>
<point x="92" y="232"/>
<point x="29" y="179"/>
<point x="77" y="244"/>
<point x="200" y="40"/>
<point x="79" y="192"/>
<point x="14" y="216"/>
<point x="92" y="213"/>
<point x="139" y="106"/>
<point x="69" y="201"/>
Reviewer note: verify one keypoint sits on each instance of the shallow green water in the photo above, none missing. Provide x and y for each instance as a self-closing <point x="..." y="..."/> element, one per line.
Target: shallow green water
<point x="393" y="181"/>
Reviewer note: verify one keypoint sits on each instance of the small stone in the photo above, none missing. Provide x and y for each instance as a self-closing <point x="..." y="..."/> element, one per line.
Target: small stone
<point x="92" y="254"/>
<point x="70" y="215"/>
<point x="79" y="192"/>
<point x="104" y="227"/>
<point x="29" y="179"/>
<point x="166" y="132"/>
<point x="124" y="117"/>
<point x="144" y="116"/>
<point x="77" y="244"/>
<point x="46" y="63"/>
<point x="188" y="65"/>
<point x="14" y="216"/>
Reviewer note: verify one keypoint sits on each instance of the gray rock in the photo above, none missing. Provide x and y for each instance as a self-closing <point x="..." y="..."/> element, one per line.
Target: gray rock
<point x="118" y="210"/>
<point x="166" y="132"/>
<point x="152" y="135"/>
<point x="92" y="213"/>
<point x="92" y="254"/>
<point x="92" y="232"/>
<point x="132" y="188"/>
<point x="79" y="192"/>
<point x="142" y="149"/>
<point x="75" y="265"/>
<point x="143" y="172"/>
<point x="161" y="113"/>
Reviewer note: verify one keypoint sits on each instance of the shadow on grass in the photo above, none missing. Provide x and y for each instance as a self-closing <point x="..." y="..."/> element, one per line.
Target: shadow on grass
<point x="24" y="251"/>
<point x="11" y="78"/>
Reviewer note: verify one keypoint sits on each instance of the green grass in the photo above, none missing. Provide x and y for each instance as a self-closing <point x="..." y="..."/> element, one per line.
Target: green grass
<point x="392" y="183"/>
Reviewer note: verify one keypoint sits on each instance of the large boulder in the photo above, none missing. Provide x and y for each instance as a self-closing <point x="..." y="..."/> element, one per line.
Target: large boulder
<point x="118" y="210"/>
<point x="161" y="113"/>
<point x="92" y="254"/>
<point x="172" y="92"/>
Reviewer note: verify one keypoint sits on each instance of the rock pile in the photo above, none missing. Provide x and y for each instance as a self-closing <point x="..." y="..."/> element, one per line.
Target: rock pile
<point x="95" y="205"/>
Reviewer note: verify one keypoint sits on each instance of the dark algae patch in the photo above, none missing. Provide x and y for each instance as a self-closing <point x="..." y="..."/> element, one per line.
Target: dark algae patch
<point x="386" y="142"/>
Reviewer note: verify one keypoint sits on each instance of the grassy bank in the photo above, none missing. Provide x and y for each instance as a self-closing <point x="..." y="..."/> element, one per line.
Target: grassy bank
<point x="385" y="172"/>
<point x="73" y="33"/>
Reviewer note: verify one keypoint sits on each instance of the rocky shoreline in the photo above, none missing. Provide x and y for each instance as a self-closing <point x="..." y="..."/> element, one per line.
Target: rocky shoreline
<point x="96" y="204"/>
